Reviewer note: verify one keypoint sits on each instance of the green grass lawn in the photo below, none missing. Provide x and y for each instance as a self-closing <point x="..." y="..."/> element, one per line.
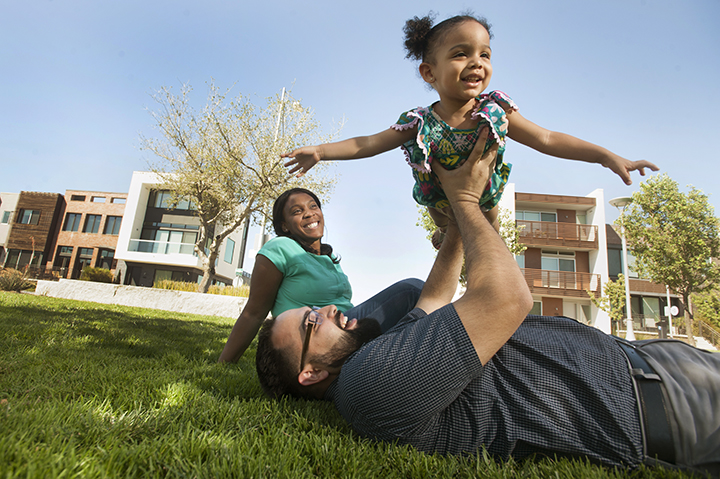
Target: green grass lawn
<point x="90" y="390"/>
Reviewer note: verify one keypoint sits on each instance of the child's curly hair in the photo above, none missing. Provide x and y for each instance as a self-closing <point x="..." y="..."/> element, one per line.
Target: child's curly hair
<point x="421" y="36"/>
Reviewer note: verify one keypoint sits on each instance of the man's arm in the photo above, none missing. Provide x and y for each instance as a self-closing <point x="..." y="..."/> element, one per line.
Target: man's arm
<point x="497" y="298"/>
<point x="442" y="281"/>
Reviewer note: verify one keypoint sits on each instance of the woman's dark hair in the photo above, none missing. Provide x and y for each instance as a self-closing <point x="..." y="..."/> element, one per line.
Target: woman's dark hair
<point x="278" y="218"/>
<point x="421" y="36"/>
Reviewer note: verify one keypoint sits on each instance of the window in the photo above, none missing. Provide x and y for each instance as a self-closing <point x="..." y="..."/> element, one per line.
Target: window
<point x="112" y="225"/>
<point x="119" y="201"/>
<point x="163" y="199"/>
<point x="6" y="217"/>
<point x="29" y="217"/>
<point x="77" y="198"/>
<point x="520" y="260"/>
<point x="86" y="252"/>
<point x="535" y="216"/>
<point x="555" y="266"/>
<point x="98" y="199"/>
<point x="229" y="250"/>
<point x="72" y="222"/>
<point x="92" y="224"/>
<point x="105" y="258"/>
<point x="537" y="308"/>
<point x="65" y="251"/>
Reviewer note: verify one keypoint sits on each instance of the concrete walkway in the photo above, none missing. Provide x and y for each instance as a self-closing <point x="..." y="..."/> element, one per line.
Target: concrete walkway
<point x="166" y="300"/>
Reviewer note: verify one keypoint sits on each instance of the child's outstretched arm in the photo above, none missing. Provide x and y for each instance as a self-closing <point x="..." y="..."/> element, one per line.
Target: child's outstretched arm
<point x="302" y="159"/>
<point x="565" y="146"/>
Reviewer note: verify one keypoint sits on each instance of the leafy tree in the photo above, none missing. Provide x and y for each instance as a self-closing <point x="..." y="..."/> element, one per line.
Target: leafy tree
<point x="226" y="160"/>
<point x="706" y="306"/>
<point x="612" y="300"/>
<point x="509" y="232"/>
<point x="674" y="237"/>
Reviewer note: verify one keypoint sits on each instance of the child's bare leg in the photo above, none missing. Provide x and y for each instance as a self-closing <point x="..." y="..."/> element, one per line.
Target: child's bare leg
<point x="441" y="221"/>
<point x="492" y="217"/>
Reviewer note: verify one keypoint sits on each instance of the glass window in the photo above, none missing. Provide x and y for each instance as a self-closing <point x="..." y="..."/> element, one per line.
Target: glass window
<point x="65" y="251"/>
<point x="549" y="217"/>
<point x="29" y="217"/>
<point x="77" y="198"/>
<point x="112" y="225"/>
<point x="86" y="252"/>
<point x="520" y="259"/>
<point x="92" y="224"/>
<point x="162" y="275"/>
<point x="6" y="217"/>
<point x="119" y="201"/>
<point x="537" y="308"/>
<point x="72" y="222"/>
<point x="98" y="199"/>
<point x="105" y="258"/>
<point x="535" y="216"/>
<point x="229" y="250"/>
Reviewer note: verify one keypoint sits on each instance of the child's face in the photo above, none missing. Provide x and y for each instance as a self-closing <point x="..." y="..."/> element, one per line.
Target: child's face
<point x="460" y="67"/>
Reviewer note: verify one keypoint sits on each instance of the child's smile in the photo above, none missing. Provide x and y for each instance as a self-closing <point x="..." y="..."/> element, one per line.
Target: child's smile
<point x="460" y="67"/>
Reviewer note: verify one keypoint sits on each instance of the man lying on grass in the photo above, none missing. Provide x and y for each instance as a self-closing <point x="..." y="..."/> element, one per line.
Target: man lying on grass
<point x="457" y="377"/>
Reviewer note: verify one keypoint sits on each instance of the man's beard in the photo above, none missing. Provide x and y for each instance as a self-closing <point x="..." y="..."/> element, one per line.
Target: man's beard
<point x="366" y="330"/>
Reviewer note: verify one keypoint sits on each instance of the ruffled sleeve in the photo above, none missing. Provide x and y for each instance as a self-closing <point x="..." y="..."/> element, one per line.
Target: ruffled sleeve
<point x="492" y="107"/>
<point x="416" y="151"/>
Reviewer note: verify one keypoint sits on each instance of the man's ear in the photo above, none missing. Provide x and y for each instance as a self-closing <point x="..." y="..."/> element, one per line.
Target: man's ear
<point x="426" y="72"/>
<point x="308" y="377"/>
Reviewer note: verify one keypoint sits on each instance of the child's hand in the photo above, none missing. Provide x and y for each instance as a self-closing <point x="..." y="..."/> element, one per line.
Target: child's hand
<point x="623" y="167"/>
<point x="302" y="159"/>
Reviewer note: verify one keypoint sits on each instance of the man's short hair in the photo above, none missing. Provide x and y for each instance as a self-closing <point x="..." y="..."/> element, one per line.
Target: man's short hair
<point x="277" y="373"/>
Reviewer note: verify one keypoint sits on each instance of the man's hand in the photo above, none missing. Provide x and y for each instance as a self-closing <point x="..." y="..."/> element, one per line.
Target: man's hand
<point x="467" y="182"/>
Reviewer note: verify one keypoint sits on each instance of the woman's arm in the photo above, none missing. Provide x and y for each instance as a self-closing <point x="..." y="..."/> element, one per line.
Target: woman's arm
<point x="302" y="159"/>
<point x="264" y="285"/>
<point x="565" y="146"/>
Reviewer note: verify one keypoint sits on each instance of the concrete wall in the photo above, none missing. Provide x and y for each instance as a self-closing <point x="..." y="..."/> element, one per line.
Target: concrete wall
<point x="167" y="300"/>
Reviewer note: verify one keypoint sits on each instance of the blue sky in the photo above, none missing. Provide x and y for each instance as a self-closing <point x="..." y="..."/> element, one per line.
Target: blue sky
<point x="639" y="77"/>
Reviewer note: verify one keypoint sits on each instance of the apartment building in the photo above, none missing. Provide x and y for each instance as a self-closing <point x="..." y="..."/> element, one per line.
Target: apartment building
<point x="156" y="241"/>
<point x="89" y="231"/>
<point x="566" y="253"/>
<point x="30" y="227"/>
<point x="572" y="251"/>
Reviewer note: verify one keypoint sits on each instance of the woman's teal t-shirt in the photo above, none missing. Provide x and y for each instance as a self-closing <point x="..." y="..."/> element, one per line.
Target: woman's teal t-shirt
<point x="308" y="279"/>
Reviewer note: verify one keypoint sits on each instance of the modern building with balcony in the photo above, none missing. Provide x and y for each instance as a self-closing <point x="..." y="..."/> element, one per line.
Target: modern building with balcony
<point x="89" y="232"/>
<point x="157" y="242"/>
<point x="566" y="255"/>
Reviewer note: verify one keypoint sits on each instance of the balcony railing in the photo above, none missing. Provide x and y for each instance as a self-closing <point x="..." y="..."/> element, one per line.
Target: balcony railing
<point x="569" y="235"/>
<point x="161" y="247"/>
<point x="563" y="283"/>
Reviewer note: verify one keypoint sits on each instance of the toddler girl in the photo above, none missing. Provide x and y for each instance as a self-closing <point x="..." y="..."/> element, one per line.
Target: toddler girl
<point x="455" y="59"/>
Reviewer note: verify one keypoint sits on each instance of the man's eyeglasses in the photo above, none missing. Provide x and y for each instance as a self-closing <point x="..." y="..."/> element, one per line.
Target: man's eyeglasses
<point x="313" y="319"/>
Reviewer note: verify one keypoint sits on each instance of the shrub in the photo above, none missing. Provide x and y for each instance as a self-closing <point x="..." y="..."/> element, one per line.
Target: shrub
<point x="176" y="285"/>
<point x="242" y="291"/>
<point x="13" y="280"/>
<point x="99" y="275"/>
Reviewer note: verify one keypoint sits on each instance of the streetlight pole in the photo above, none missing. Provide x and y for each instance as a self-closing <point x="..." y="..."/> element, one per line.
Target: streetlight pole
<point x="620" y="204"/>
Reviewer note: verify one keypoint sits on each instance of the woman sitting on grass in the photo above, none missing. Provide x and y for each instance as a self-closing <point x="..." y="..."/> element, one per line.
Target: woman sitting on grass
<point x="296" y="269"/>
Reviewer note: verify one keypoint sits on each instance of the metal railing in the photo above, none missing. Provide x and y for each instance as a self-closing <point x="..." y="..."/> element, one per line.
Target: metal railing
<point x="564" y="283"/>
<point x="558" y="234"/>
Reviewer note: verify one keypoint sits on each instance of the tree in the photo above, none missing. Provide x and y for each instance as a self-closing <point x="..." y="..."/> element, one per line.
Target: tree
<point x="706" y="306"/>
<point x="509" y="232"/>
<point x="674" y="237"/>
<point x="226" y="160"/>
<point x="612" y="300"/>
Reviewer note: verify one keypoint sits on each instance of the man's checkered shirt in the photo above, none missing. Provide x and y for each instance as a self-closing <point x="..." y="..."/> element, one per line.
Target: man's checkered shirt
<point x="557" y="387"/>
